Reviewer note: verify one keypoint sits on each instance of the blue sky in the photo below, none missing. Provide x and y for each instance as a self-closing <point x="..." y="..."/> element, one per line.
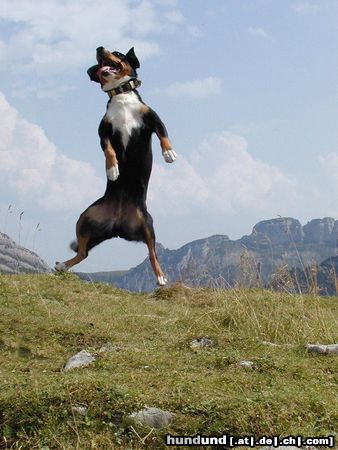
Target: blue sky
<point x="248" y="91"/>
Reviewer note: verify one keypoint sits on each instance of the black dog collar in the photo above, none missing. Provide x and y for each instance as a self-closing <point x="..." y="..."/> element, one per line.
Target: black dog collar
<point x="126" y="87"/>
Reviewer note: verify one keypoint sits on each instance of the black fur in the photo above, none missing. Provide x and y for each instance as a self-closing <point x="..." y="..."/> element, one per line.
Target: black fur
<point x="125" y="199"/>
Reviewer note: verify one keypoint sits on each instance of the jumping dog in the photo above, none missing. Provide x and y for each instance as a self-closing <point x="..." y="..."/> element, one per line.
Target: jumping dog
<point x="125" y="135"/>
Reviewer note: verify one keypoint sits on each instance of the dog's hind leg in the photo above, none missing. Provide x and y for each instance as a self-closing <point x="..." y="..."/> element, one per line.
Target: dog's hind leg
<point x="82" y="253"/>
<point x="92" y="228"/>
<point x="161" y="280"/>
<point x="149" y="236"/>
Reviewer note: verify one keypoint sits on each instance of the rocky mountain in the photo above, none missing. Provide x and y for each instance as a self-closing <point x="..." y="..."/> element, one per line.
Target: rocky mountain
<point x="279" y="253"/>
<point x="274" y="247"/>
<point x="318" y="279"/>
<point x="17" y="259"/>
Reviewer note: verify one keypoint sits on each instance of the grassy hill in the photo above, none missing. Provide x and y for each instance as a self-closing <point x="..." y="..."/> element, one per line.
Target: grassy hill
<point x="45" y="319"/>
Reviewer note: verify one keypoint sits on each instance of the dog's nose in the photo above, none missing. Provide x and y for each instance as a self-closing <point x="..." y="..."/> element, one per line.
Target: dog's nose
<point x="99" y="49"/>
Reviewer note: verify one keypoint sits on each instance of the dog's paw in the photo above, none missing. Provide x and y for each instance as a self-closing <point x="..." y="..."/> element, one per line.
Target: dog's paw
<point x="113" y="173"/>
<point x="161" y="281"/>
<point x="169" y="156"/>
<point x="60" y="267"/>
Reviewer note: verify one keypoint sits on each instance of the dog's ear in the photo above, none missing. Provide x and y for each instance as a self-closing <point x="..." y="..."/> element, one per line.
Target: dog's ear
<point x="132" y="59"/>
<point x="92" y="72"/>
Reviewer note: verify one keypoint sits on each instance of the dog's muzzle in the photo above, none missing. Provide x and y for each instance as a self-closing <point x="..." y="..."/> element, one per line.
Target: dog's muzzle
<point x="104" y="72"/>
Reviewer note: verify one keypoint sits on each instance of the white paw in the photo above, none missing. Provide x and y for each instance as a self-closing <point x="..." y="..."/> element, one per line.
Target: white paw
<point x="161" y="281"/>
<point x="60" y="267"/>
<point x="169" y="156"/>
<point x="113" y="173"/>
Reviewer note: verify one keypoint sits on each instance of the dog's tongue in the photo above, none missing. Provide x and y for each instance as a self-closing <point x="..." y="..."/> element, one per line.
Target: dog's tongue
<point x="107" y="69"/>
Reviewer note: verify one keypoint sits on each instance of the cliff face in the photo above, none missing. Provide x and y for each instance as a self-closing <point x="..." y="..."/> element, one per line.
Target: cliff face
<point x="220" y="261"/>
<point x="17" y="259"/>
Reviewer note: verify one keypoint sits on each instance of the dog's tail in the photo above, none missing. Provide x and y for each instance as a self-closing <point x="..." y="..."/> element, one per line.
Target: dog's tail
<point x="92" y="243"/>
<point x="74" y="246"/>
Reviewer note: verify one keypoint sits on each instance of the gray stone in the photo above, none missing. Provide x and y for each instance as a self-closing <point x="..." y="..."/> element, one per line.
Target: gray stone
<point x="247" y="364"/>
<point x="152" y="417"/>
<point x="201" y="343"/>
<point x="80" y="410"/>
<point x="81" y="359"/>
<point x="330" y="349"/>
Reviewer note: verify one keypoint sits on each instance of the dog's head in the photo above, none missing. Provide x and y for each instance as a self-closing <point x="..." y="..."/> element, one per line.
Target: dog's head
<point x="113" y="68"/>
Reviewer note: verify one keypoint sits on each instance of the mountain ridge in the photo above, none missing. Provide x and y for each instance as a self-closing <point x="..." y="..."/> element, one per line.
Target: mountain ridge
<point x="274" y="247"/>
<point x="221" y="262"/>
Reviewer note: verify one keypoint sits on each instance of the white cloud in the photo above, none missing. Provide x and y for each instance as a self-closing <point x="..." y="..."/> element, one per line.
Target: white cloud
<point x="51" y="36"/>
<point x="221" y="177"/>
<point x="195" y="88"/>
<point x="259" y="32"/>
<point x="60" y="35"/>
<point x="32" y="166"/>
<point x="177" y="187"/>
<point x="48" y="39"/>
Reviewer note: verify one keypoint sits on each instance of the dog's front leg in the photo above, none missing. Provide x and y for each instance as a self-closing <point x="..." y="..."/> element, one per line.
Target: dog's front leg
<point x="168" y="152"/>
<point x="112" y="166"/>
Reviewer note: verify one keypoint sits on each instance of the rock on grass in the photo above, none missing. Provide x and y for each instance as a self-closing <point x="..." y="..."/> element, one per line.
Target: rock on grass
<point x="201" y="343"/>
<point x="152" y="417"/>
<point x="81" y="359"/>
<point x="330" y="349"/>
<point x="246" y="364"/>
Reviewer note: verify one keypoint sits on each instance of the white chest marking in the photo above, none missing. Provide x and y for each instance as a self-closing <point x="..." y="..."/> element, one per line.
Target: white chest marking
<point x="124" y="112"/>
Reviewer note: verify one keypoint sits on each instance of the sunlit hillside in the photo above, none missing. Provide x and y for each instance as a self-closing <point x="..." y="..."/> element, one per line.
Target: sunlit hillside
<point x="46" y="319"/>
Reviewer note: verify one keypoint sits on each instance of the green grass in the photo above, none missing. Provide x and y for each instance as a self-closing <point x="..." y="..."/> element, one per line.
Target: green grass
<point x="45" y="319"/>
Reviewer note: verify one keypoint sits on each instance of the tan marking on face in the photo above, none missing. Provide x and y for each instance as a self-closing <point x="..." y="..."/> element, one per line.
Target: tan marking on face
<point x="108" y="56"/>
<point x="126" y="70"/>
<point x="124" y="66"/>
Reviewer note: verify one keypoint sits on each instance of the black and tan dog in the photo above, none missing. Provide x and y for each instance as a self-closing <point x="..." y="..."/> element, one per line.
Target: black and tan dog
<point x="125" y="135"/>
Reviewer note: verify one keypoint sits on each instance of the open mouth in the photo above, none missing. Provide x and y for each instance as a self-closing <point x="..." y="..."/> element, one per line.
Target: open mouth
<point x="108" y="69"/>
